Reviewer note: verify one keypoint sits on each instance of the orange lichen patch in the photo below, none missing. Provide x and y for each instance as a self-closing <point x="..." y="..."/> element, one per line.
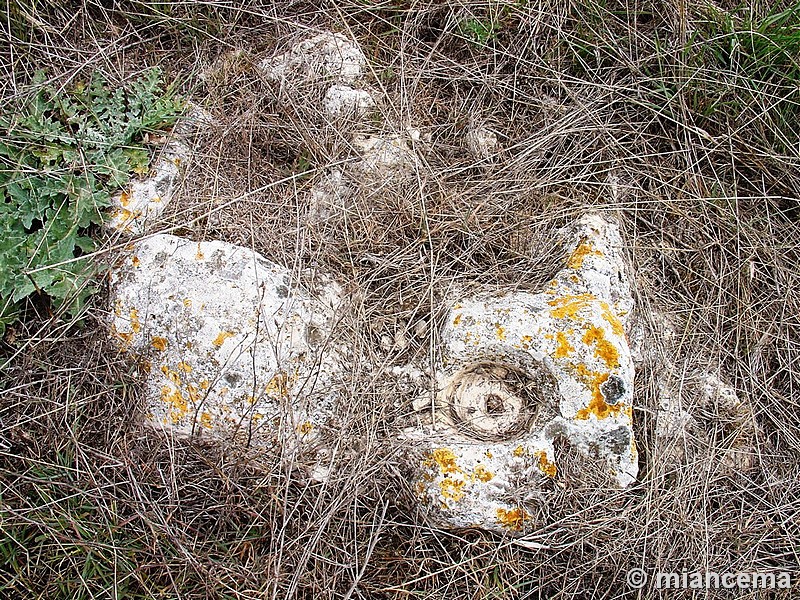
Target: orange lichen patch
<point x="194" y="394"/>
<point x="613" y="320"/>
<point x="483" y="474"/>
<point x="204" y="384"/>
<point x="126" y="337"/>
<point x="568" y="307"/>
<point x="159" y="343"/>
<point x="185" y="367"/>
<point x="452" y="489"/>
<point x="135" y="325"/>
<point x="444" y="459"/>
<point x="305" y="428"/>
<point x="171" y="375"/>
<point x="583" y="250"/>
<point x="457" y="320"/>
<point x="458" y="306"/>
<point x="597" y="405"/>
<point x="513" y="519"/>
<point x="205" y="420"/>
<point x="563" y="347"/>
<point x="221" y="337"/>
<point x="519" y="451"/>
<point x="526" y="341"/>
<point x="604" y="350"/>
<point x="500" y="331"/>
<point x="199" y="254"/>
<point x="124" y="199"/>
<point x="135" y="261"/>
<point x="187" y="302"/>
<point x="489" y="454"/>
<point x="178" y="406"/>
<point x="278" y="385"/>
<point x="545" y="466"/>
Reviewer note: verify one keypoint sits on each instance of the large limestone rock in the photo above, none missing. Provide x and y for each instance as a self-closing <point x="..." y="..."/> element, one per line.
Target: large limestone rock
<point x="232" y="345"/>
<point x="520" y="371"/>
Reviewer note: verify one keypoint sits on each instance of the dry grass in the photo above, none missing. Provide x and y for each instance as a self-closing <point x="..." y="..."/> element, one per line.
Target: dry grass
<point x="644" y="111"/>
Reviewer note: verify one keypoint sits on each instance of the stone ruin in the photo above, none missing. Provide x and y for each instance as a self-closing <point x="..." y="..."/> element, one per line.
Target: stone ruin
<point x="232" y="347"/>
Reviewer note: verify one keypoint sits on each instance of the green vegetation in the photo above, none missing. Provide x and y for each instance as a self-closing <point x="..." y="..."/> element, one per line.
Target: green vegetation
<point x="64" y="154"/>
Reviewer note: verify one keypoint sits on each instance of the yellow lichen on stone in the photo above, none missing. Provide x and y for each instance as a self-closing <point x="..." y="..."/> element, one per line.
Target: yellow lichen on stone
<point x="278" y="386"/>
<point x="194" y="394"/>
<point x="199" y="254"/>
<point x="604" y="350"/>
<point x="136" y="327"/>
<point x="185" y="367"/>
<point x="512" y="519"/>
<point x="457" y="320"/>
<point x="444" y="459"/>
<point x="187" y="302"/>
<point x="500" y="331"/>
<point x="205" y="420"/>
<point x="159" y="343"/>
<point x="612" y="319"/>
<point x="171" y="375"/>
<point x="452" y="489"/>
<point x="563" y="347"/>
<point x="597" y="405"/>
<point x="305" y="428"/>
<point x="483" y="474"/>
<point x="178" y="406"/>
<point x="568" y="307"/>
<point x="135" y="261"/>
<point x="583" y="250"/>
<point x="545" y="466"/>
<point x="519" y="451"/>
<point x="221" y="337"/>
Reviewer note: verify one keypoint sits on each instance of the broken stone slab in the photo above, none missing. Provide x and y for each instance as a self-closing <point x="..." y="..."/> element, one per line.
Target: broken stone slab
<point x="520" y="371"/>
<point x="327" y="56"/>
<point x="230" y="345"/>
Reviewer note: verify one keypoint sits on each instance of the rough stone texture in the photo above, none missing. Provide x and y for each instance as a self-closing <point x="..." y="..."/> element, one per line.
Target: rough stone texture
<point x="343" y="100"/>
<point x="231" y="345"/>
<point x="520" y="370"/>
<point x="324" y="56"/>
<point x="386" y="156"/>
<point x="134" y="210"/>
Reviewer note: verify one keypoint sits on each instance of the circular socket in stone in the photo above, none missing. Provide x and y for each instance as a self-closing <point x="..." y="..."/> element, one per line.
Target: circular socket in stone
<point x="494" y="401"/>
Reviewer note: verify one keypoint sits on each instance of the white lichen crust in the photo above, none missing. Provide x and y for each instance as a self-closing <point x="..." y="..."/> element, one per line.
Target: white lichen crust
<point x="520" y="370"/>
<point x="231" y="345"/>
